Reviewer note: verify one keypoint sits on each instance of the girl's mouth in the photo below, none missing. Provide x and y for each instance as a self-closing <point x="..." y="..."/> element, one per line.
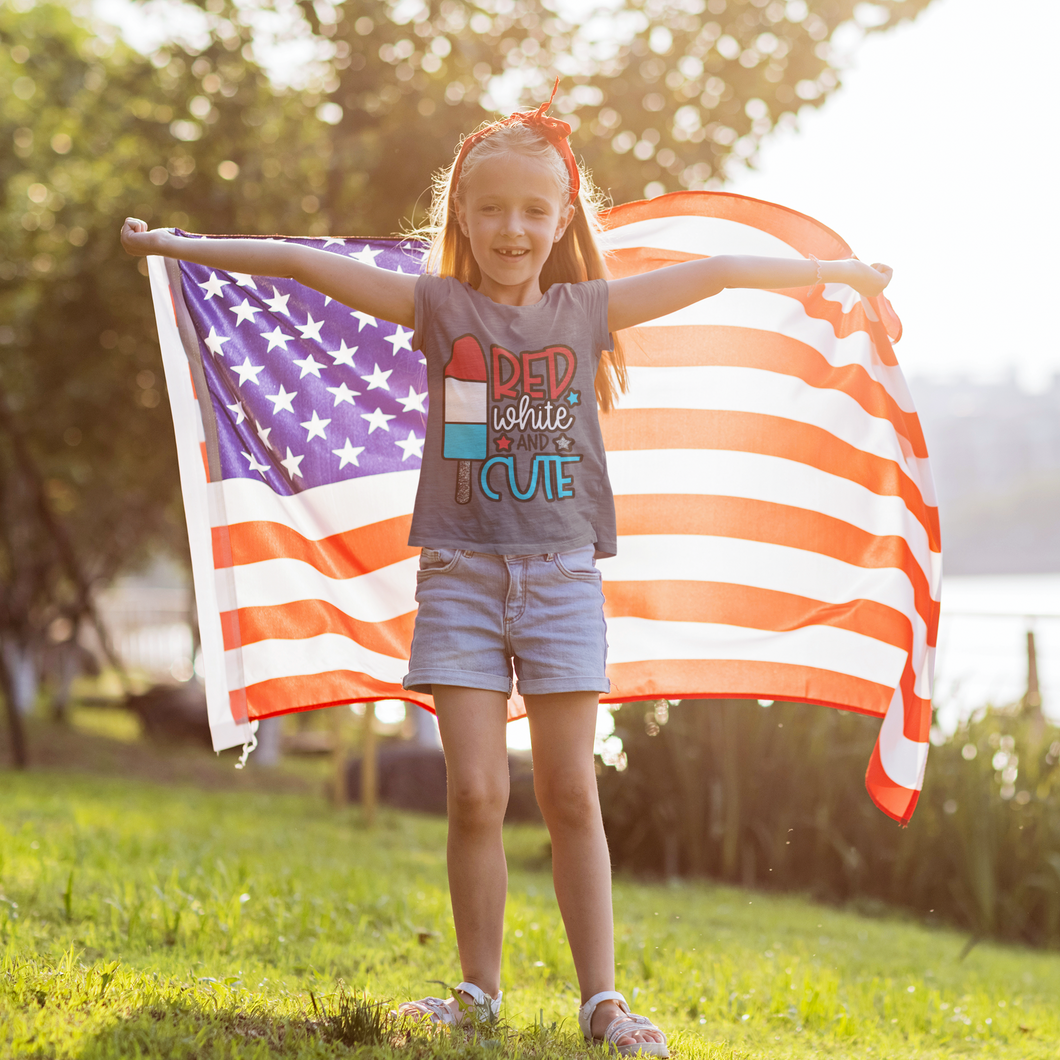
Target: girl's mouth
<point x="512" y="252"/>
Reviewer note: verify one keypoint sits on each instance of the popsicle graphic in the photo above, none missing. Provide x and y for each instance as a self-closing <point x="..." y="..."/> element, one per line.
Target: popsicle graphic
<point x="466" y="401"/>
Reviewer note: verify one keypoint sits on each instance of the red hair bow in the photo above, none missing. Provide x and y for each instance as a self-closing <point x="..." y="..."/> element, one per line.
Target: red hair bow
<point x="554" y="130"/>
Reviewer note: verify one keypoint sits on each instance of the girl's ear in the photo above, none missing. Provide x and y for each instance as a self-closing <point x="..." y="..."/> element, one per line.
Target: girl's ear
<point x="458" y="208"/>
<point x="565" y="219"/>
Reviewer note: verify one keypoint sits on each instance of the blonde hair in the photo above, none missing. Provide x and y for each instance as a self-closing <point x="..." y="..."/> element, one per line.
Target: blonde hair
<point x="575" y="257"/>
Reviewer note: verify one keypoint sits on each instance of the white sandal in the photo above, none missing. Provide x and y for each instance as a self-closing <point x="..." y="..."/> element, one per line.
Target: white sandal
<point x="620" y="1025"/>
<point x="482" y="1007"/>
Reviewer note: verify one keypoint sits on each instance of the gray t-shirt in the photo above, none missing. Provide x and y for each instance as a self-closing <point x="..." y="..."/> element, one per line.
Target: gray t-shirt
<point x="514" y="460"/>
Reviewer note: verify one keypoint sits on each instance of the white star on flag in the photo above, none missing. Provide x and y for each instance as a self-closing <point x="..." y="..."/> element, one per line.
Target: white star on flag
<point x="244" y="311"/>
<point x="343" y="393"/>
<point x="315" y="427"/>
<point x="411" y="446"/>
<point x="362" y="319"/>
<point x="311" y="328"/>
<point x="400" y="340"/>
<point x="309" y="367"/>
<point x="366" y="256"/>
<point x="378" y="379"/>
<point x="255" y="466"/>
<point x="213" y="286"/>
<point x="278" y="302"/>
<point x="246" y="371"/>
<point x="414" y="402"/>
<point x="263" y="434"/>
<point x="237" y="408"/>
<point x="276" y="338"/>
<point x="243" y="279"/>
<point x="377" y="419"/>
<point x="292" y="462"/>
<point x="332" y="239"/>
<point x="214" y="342"/>
<point x="282" y="400"/>
<point x="343" y="355"/>
<point x="349" y="454"/>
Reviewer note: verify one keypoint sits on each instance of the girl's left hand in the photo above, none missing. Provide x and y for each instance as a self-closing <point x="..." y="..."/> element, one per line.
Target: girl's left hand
<point x="869" y="280"/>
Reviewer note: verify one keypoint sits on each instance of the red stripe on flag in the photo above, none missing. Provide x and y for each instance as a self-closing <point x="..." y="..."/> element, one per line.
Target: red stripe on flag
<point x="312" y="618"/>
<point x="285" y="695"/>
<point x="344" y="555"/>
<point x="895" y="800"/>
<point x="735" y="679"/>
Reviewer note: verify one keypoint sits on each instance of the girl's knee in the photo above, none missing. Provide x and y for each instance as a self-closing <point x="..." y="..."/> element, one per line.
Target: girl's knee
<point x="477" y="801"/>
<point x="570" y="803"/>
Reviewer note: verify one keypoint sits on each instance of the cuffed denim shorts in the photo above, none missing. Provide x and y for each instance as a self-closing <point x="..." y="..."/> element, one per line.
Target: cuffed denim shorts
<point x="481" y="615"/>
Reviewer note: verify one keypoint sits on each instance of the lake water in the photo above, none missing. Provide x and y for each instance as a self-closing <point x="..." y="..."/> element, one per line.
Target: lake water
<point x="982" y="646"/>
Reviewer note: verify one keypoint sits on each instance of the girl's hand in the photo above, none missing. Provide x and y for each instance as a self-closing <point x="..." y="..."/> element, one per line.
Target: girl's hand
<point x="868" y="280"/>
<point x="138" y="241"/>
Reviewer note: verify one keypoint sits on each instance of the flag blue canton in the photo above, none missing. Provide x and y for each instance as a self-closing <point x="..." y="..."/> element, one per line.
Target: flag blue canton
<point x="306" y="392"/>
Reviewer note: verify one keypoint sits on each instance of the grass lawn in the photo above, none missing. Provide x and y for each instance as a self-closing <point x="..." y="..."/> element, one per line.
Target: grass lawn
<point x="140" y="918"/>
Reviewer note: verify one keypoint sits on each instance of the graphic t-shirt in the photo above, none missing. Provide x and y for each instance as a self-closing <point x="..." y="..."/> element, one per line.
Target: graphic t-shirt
<point x="514" y="459"/>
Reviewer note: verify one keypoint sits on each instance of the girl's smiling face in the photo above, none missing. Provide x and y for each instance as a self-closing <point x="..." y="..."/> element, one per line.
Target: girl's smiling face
<point x="512" y="210"/>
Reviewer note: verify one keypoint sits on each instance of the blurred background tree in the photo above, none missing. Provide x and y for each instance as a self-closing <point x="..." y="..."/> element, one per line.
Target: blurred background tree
<point x="662" y="95"/>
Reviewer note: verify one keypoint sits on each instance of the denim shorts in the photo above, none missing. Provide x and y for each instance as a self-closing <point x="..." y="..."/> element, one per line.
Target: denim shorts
<point x="480" y="615"/>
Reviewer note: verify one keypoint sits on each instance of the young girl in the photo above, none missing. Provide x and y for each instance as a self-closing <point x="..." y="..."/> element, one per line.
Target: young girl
<point x="516" y="320"/>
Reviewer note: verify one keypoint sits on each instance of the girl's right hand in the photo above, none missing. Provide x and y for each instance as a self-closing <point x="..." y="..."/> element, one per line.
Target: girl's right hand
<point x="138" y="241"/>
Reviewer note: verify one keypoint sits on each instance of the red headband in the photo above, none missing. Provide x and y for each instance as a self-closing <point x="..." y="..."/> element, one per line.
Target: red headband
<point x="551" y="129"/>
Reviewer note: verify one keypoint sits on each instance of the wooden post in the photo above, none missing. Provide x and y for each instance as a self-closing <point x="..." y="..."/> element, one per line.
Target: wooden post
<point x="1033" y="699"/>
<point x="369" y="784"/>
<point x="338" y="754"/>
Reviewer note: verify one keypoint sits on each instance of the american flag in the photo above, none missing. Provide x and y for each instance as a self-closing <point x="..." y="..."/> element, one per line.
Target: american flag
<point x="778" y="534"/>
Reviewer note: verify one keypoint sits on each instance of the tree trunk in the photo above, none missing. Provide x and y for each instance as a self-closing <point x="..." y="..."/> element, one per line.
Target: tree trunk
<point x="14" y="718"/>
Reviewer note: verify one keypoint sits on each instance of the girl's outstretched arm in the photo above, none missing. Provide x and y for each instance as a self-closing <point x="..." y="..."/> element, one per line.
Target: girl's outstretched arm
<point x="635" y="299"/>
<point x="378" y="292"/>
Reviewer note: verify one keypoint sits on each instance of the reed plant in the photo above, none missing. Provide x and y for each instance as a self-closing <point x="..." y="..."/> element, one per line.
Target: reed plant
<point x="772" y="796"/>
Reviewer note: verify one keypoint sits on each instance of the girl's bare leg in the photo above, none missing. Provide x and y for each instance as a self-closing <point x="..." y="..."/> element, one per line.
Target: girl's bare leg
<point x="473" y="723"/>
<point x="562" y="732"/>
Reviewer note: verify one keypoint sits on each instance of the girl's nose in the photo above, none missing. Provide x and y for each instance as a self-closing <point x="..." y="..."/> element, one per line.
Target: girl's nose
<point x="513" y="224"/>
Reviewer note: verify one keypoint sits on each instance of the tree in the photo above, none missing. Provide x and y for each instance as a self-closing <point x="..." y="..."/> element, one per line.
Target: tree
<point x="663" y="94"/>
<point x="93" y="132"/>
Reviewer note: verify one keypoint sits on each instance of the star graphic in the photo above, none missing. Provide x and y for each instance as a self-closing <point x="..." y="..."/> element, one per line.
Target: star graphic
<point x="573" y="397"/>
<point x="244" y="311"/>
<point x="263" y="434"/>
<point x="377" y="419"/>
<point x="243" y="279"/>
<point x="343" y="355"/>
<point x="255" y="466"/>
<point x="276" y="338"/>
<point x="332" y="239"/>
<point x="213" y="286"/>
<point x="563" y="444"/>
<point x="309" y="367"/>
<point x="349" y="454"/>
<point x="214" y="342"/>
<point x="411" y="446"/>
<point x="292" y="462"/>
<point x="377" y="379"/>
<point x="315" y="427"/>
<point x="503" y="443"/>
<point x="400" y="340"/>
<point x="278" y="302"/>
<point x="343" y="393"/>
<point x="282" y="400"/>
<point x="414" y="402"/>
<point x="246" y="371"/>
<point x="366" y="255"/>
<point x="362" y="319"/>
<point x="311" y="328"/>
<point x="237" y="408"/>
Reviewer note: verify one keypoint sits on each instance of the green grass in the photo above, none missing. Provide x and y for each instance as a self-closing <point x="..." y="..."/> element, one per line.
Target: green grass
<point x="145" y="920"/>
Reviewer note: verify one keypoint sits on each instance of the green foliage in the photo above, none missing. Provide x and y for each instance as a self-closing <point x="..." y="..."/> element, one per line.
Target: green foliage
<point x="150" y="951"/>
<point x="772" y="797"/>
